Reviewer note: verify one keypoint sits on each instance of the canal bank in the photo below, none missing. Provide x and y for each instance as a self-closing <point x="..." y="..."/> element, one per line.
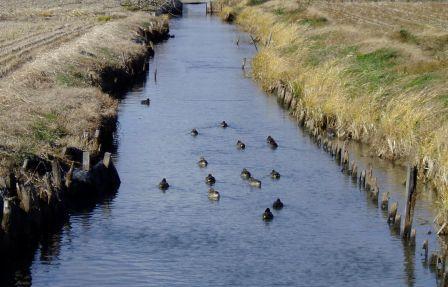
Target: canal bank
<point x="353" y="80"/>
<point x="71" y="167"/>
<point x="145" y="237"/>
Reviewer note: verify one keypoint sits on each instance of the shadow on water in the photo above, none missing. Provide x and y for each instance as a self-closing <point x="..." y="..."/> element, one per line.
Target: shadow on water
<point x="15" y="267"/>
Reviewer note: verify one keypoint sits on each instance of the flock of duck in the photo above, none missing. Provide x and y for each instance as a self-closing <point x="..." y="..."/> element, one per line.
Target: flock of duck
<point x="245" y="175"/>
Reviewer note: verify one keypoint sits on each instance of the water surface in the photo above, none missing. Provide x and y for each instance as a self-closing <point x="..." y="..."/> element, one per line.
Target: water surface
<point x="328" y="234"/>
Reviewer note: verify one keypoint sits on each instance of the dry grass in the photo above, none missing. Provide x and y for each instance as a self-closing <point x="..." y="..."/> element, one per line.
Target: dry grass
<point x="29" y="28"/>
<point x="377" y="70"/>
<point x="50" y="101"/>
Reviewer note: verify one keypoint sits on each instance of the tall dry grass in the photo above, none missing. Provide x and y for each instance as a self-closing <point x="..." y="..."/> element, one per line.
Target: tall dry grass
<point x="386" y="87"/>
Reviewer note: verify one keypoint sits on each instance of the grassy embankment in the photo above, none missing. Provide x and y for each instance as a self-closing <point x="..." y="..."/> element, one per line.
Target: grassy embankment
<point x="52" y="92"/>
<point x="374" y="72"/>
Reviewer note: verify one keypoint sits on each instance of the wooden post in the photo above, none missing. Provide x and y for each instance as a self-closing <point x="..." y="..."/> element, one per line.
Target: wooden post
<point x="56" y="170"/>
<point x="426" y="248"/>
<point x="374" y="193"/>
<point x="86" y="161"/>
<point x="411" y="193"/>
<point x="385" y="201"/>
<point x="397" y="222"/>
<point x="69" y="176"/>
<point x="155" y="75"/>
<point x="392" y="212"/>
<point x="24" y="198"/>
<point x="97" y="139"/>
<point x="413" y="236"/>
<point x="362" y="178"/>
<point x="243" y="64"/>
<point x="25" y="164"/>
<point x="106" y="159"/>
<point x="211" y="8"/>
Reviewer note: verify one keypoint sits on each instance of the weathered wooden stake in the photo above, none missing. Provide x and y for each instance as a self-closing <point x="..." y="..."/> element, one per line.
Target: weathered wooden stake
<point x="86" y="161"/>
<point x="426" y="248"/>
<point x="69" y="176"/>
<point x="411" y="193"/>
<point x="392" y="212"/>
<point x="413" y="236"/>
<point x="385" y="201"/>
<point x="362" y="179"/>
<point x="56" y="170"/>
<point x="243" y="64"/>
<point x="96" y="137"/>
<point x="107" y="159"/>
<point x="397" y="222"/>
<point x="155" y="75"/>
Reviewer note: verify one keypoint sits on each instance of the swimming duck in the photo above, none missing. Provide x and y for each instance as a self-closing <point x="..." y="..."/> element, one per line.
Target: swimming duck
<point x="210" y="180"/>
<point x="267" y="215"/>
<point x="278" y="204"/>
<point x="224" y="124"/>
<point x="146" y="102"/>
<point x="194" y="132"/>
<point x="245" y="174"/>
<point x="213" y="194"/>
<point x="240" y="145"/>
<point x="163" y="185"/>
<point x="202" y="162"/>
<point x="275" y="174"/>
<point x="254" y="182"/>
<point x="270" y="140"/>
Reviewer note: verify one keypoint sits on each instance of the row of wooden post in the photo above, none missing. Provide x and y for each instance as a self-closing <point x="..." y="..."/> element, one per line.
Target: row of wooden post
<point x="369" y="182"/>
<point x="26" y="205"/>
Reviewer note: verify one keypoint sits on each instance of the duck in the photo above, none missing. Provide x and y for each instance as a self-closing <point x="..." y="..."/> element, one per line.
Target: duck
<point x="163" y="185"/>
<point x="270" y="140"/>
<point x="194" y="132"/>
<point x="275" y="174"/>
<point x="210" y="179"/>
<point x="223" y="124"/>
<point x="146" y="102"/>
<point x="245" y="174"/>
<point x="240" y="145"/>
<point x="278" y="204"/>
<point x="202" y="162"/>
<point x="254" y="182"/>
<point x="213" y="194"/>
<point x="267" y="215"/>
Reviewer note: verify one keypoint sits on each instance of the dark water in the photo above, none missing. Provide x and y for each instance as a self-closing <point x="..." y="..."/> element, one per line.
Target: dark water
<point x="328" y="234"/>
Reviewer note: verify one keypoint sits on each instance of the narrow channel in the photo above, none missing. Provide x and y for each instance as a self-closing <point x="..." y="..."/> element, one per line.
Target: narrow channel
<point x="328" y="233"/>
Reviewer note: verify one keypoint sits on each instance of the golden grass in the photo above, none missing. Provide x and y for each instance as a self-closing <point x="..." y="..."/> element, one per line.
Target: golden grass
<point x="377" y="70"/>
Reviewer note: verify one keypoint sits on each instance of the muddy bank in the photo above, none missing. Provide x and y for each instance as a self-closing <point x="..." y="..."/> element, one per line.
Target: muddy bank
<point x="38" y="194"/>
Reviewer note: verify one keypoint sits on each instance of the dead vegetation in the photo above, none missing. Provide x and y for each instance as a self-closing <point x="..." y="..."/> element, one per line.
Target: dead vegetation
<point x="373" y="71"/>
<point x="54" y="62"/>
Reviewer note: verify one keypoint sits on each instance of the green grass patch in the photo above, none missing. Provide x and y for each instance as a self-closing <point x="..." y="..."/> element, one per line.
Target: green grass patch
<point x="47" y="130"/>
<point x="374" y="70"/>
<point x="421" y="81"/>
<point x="314" y="22"/>
<point x="104" y="18"/>
<point x="279" y="11"/>
<point x="408" y="37"/>
<point x="256" y="2"/>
